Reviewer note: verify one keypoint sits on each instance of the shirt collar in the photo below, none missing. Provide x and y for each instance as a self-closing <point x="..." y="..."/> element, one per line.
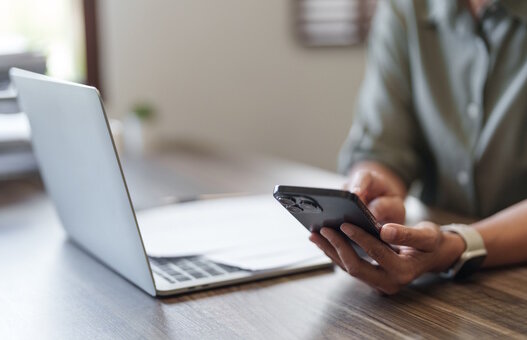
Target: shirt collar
<point x="442" y="10"/>
<point x="448" y="10"/>
<point x="451" y="14"/>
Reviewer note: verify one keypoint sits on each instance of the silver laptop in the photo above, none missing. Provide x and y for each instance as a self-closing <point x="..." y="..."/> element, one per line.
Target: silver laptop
<point x="83" y="176"/>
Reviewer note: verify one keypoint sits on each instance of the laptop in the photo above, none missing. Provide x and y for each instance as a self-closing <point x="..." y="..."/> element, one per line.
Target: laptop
<point x="83" y="176"/>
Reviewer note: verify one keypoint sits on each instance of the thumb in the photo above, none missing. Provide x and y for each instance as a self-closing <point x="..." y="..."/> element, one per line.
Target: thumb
<point x="425" y="236"/>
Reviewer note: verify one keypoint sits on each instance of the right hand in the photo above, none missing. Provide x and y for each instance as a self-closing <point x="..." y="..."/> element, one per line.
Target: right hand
<point x="381" y="192"/>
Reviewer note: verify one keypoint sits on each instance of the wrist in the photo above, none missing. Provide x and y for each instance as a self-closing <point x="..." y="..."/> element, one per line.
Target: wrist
<point x="451" y="248"/>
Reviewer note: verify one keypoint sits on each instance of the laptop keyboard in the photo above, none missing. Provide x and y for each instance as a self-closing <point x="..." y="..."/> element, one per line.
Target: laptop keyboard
<point x="181" y="269"/>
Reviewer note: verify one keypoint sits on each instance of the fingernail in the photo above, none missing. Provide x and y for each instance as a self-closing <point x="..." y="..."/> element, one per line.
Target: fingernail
<point x="388" y="232"/>
<point x="323" y="232"/>
<point x="355" y="189"/>
<point x="361" y="194"/>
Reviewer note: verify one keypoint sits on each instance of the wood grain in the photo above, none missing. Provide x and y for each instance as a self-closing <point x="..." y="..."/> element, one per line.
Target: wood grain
<point x="52" y="289"/>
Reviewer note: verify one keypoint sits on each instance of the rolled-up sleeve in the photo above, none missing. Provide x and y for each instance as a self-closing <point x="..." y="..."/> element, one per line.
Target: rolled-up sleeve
<point x="385" y="128"/>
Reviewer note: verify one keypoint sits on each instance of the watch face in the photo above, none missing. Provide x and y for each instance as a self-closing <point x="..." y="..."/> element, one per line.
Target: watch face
<point x="470" y="266"/>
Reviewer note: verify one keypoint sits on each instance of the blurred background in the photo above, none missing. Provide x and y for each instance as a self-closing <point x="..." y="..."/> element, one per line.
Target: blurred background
<point x="276" y="77"/>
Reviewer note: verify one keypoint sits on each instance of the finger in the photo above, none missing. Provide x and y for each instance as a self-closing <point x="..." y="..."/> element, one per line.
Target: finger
<point x="367" y="185"/>
<point x="424" y="236"/>
<point x="359" y="184"/>
<point x="375" y="249"/>
<point x="388" y="209"/>
<point x="354" y="265"/>
<point x="327" y="248"/>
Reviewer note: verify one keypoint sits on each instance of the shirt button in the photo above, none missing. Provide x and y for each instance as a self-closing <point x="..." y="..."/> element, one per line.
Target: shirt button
<point x="473" y="110"/>
<point x="462" y="177"/>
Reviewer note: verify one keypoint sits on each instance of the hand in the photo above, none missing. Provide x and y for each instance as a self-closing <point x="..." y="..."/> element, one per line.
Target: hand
<point x="381" y="191"/>
<point x="424" y="248"/>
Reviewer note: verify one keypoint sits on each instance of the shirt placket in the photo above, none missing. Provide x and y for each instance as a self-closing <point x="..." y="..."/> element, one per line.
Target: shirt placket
<point x="476" y="109"/>
<point x="473" y="113"/>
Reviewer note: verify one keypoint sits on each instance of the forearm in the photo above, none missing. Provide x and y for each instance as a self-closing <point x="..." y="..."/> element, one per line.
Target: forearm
<point x="392" y="178"/>
<point x="505" y="235"/>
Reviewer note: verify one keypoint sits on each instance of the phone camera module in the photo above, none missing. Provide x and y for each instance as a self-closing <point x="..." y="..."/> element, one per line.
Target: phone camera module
<point x="299" y="204"/>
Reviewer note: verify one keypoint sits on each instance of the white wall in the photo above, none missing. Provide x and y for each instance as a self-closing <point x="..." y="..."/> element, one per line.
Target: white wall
<point x="229" y="73"/>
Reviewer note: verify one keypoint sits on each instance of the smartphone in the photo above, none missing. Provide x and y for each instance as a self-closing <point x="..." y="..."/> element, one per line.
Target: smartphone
<point x="316" y="208"/>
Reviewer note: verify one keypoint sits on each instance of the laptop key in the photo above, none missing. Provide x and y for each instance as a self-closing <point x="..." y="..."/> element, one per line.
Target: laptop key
<point x="166" y="277"/>
<point x="213" y="271"/>
<point x="228" y="269"/>
<point x="195" y="274"/>
<point x="172" y="272"/>
<point x="181" y="278"/>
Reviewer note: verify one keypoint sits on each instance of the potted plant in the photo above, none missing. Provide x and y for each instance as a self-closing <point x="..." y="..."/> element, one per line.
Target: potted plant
<point x="134" y="133"/>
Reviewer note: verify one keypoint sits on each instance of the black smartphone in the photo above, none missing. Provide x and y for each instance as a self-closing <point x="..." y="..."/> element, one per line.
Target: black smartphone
<point x="316" y="208"/>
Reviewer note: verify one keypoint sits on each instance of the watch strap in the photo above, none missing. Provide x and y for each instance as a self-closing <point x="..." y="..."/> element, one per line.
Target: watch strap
<point x="474" y="254"/>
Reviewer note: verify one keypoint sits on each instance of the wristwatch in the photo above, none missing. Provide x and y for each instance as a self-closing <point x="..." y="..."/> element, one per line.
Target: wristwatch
<point x="474" y="253"/>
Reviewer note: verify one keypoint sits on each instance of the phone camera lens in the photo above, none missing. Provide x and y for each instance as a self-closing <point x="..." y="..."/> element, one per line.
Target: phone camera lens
<point x="286" y="201"/>
<point x="294" y="209"/>
<point x="309" y="206"/>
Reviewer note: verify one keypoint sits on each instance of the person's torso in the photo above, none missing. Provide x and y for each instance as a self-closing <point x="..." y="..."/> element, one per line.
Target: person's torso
<point x="469" y="85"/>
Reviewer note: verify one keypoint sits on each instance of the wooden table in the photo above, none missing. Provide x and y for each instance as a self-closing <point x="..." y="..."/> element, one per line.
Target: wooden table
<point x="51" y="289"/>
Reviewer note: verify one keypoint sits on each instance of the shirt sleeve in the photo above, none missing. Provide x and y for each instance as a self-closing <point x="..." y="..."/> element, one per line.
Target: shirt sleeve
<point x="385" y="128"/>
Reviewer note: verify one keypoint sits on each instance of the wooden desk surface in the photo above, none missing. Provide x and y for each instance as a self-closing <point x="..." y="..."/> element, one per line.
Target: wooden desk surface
<point x="51" y="289"/>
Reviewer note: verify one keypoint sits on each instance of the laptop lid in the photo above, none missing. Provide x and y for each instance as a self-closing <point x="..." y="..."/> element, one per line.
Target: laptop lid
<point x="81" y="171"/>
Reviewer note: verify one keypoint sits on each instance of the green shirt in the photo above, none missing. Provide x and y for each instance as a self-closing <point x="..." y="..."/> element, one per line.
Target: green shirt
<point x="444" y="102"/>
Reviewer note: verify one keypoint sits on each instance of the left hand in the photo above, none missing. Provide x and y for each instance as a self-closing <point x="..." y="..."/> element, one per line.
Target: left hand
<point x="423" y="248"/>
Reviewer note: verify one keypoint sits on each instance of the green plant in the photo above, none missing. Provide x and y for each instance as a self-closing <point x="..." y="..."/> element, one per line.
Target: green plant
<point x="144" y="111"/>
